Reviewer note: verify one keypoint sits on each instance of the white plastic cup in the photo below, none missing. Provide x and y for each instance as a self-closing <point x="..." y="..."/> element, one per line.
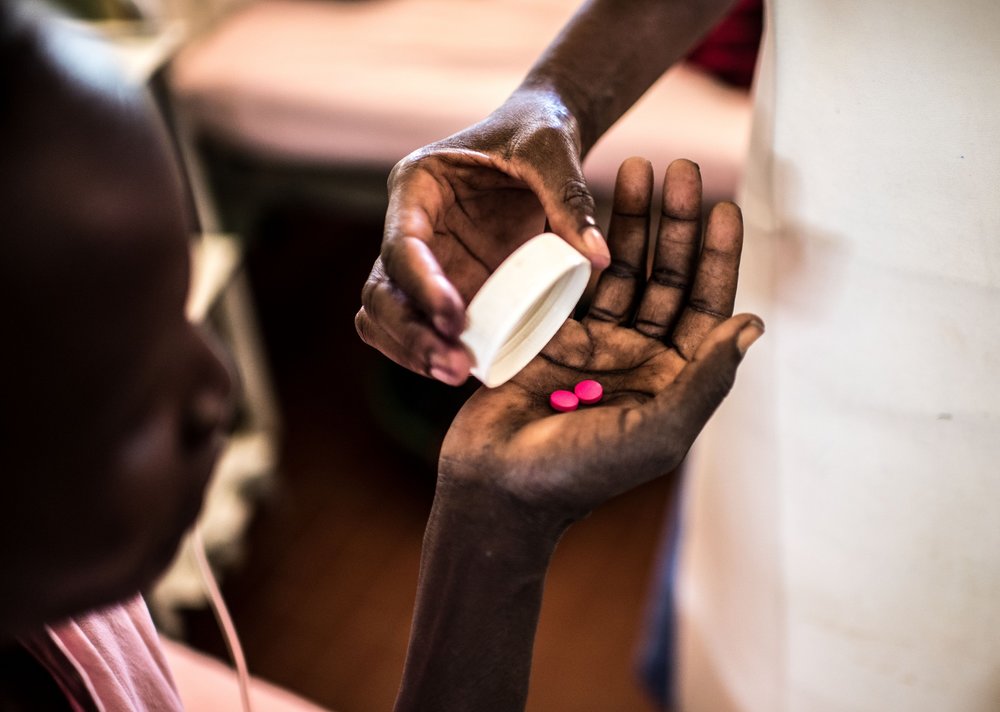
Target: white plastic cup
<point x="521" y="306"/>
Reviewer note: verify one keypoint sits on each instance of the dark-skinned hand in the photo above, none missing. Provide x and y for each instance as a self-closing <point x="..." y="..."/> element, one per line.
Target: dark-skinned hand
<point x="664" y="346"/>
<point x="457" y="209"/>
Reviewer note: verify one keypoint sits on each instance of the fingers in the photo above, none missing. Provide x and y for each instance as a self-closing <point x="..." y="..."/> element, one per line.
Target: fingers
<point x="406" y="258"/>
<point x="615" y="297"/>
<point x="421" y="350"/>
<point x="411" y="266"/>
<point x="623" y="447"/>
<point x="393" y="323"/>
<point x="714" y="290"/>
<point x="683" y="408"/>
<point x="411" y="311"/>
<point x="676" y="251"/>
<point x="569" y="206"/>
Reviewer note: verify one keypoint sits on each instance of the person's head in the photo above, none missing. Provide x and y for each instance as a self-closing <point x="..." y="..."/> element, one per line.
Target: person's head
<point x="112" y="404"/>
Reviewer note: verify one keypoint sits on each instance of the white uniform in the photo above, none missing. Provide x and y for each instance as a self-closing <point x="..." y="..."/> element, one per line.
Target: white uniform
<point x="841" y="526"/>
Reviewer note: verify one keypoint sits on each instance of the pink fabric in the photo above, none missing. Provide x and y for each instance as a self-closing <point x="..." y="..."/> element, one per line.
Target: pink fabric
<point x="209" y="685"/>
<point x="109" y="660"/>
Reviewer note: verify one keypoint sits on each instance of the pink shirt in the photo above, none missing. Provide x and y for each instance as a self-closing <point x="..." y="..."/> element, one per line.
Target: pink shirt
<point x="108" y="660"/>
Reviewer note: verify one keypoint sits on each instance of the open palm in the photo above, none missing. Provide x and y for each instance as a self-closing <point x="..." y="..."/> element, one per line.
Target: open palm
<point x="662" y="344"/>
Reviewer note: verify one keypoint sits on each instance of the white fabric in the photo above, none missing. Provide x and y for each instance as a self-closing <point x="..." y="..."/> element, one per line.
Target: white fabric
<point x="841" y="550"/>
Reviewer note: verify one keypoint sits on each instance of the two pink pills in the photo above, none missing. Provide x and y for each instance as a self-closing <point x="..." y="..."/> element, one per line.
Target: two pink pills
<point x="587" y="392"/>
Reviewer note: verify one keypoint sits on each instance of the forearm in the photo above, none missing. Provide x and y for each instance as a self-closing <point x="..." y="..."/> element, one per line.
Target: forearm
<point x="481" y="578"/>
<point x="612" y="51"/>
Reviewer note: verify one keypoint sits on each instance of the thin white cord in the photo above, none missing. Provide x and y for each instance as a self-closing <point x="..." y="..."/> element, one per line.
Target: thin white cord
<point x="222" y="616"/>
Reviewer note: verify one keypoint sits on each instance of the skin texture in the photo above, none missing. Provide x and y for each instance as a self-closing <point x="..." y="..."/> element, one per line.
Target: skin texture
<point x="514" y="474"/>
<point x="114" y="406"/>
<point x="459" y="206"/>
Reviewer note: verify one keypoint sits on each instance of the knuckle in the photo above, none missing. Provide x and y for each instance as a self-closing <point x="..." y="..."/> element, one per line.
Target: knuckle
<point x="652" y="329"/>
<point x="363" y="326"/>
<point x="389" y="256"/>
<point x="624" y="270"/>
<point x="707" y="308"/>
<point x="577" y="196"/>
<point x="381" y="302"/>
<point x="377" y="274"/>
<point x="670" y="276"/>
<point x="368" y="292"/>
<point x="394" y="175"/>
<point x="405" y="166"/>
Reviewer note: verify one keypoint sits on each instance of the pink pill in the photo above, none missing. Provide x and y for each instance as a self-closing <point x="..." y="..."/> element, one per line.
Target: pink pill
<point x="563" y="401"/>
<point x="588" y="391"/>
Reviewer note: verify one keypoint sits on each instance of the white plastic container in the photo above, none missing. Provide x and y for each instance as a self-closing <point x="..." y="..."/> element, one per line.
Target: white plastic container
<point x="522" y="305"/>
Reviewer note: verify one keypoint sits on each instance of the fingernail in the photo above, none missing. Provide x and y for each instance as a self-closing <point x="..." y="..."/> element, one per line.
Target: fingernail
<point x="444" y="367"/>
<point x="597" y="247"/>
<point x="443" y="325"/>
<point x="750" y="333"/>
<point x="440" y="374"/>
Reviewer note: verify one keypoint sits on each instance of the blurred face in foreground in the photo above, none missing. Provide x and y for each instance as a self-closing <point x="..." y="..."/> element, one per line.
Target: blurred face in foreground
<point x="112" y="406"/>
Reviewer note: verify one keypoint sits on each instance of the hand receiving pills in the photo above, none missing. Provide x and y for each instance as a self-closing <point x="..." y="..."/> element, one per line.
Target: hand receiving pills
<point x="634" y="380"/>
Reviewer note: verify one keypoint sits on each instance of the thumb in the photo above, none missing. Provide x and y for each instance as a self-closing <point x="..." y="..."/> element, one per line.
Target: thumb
<point x="652" y="439"/>
<point x="705" y="382"/>
<point x="570" y="209"/>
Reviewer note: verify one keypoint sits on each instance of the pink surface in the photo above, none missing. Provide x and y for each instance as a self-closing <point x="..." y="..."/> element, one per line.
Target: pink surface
<point x="208" y="685"/>
<point x="108" y="659"/>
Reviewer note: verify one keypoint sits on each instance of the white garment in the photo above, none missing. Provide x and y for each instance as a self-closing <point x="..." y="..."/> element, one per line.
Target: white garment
<point x="841" y="546"/>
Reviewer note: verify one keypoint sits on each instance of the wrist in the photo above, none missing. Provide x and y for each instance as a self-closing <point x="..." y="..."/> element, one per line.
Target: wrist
<point x="497" y="520"/>
<point x="482" y="573"/>
<point x="541" y="103"/>
<point x="576" y="103"/>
